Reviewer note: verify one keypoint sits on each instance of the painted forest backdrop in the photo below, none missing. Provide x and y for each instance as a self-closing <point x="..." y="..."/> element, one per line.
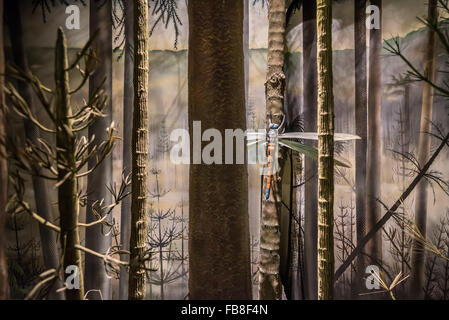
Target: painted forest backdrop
<point x="168" y="198"/>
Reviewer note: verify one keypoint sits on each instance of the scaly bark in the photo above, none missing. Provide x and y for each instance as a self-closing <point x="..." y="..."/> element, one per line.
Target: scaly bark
<point x="96" y="277"/>
<point x="3" y="171"/>
<point x="140" y="142"/>
<point x="219" y="245"/>
<point x="361" y="125"/>
<point x="310" y="165"/>
<point x="325" y="152"/>
<point x="128" y="98"/>
<point x="68" y="191"/>
<point x="418" y="253"/>
<point x="270" y="287"/>
<point x="374" y="140"/>
<point x="48" y="237"/>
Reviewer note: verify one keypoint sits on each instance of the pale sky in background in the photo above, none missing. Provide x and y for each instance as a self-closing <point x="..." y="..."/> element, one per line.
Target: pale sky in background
<point x="399" y="18"/>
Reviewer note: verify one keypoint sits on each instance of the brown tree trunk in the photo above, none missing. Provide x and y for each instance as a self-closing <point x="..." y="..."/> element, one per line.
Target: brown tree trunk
<point x="68" y="202"/>
<point x="140" y="147"/>
<point x="374" y="141"/>
<point x="96" y="276"/>
<point x="310" y="165"/>
<point x="4" y="288"/>
<point x="418" y="252"/>
<point x="48" y="237"/>
<point x="246" y="48"/>
<point x="219" y="245"/>
<point x="325" y="152"/>
<point x="128" y="100"/>
<point x="361" y="125"/>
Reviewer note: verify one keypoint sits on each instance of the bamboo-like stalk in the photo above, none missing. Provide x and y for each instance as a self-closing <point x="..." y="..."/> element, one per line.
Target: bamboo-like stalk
<point x="269" y="276"/>
<point x="67" y="191"/>
<point x="137" y="274"/>
<point x="325" y="151"/>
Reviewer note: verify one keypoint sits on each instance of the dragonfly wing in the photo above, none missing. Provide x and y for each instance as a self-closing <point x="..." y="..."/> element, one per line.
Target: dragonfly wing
<point x="255" y="143"/>
<point x="345" y="137"/>
<point x="301" y="148"/>
<point x="299" y="135"/>
<point x="311" y="152"/>
<point x="255" y="135"/>
<point x="314" y="136"/>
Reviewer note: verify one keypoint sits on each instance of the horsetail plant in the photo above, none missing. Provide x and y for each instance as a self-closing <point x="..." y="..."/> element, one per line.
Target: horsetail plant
<point x="65" y="160"/>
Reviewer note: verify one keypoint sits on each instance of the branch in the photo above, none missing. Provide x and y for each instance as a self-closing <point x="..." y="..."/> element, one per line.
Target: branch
<point x="18" y="185"/>
<point x="37" y="86"/>
<point x="394" y="48"/>
<point x="379" y="225"/>
<point x="22" y="109"/>
<point x="48" y="276"/>
<point x="105" y="257"/>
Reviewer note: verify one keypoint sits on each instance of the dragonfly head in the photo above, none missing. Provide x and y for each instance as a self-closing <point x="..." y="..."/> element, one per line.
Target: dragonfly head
<point x="275" y="126"/>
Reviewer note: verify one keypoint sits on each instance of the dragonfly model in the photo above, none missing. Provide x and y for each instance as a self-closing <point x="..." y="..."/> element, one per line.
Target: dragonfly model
<point x="271" y="140"/>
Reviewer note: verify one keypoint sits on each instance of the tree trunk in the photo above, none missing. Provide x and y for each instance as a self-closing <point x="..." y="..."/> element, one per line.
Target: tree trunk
<point x="291" y="246"/>
<point x="361" y="125"/>
<point x="325" y="152"/>
<point x="291" y="256"/>
<point x="96" y="276"/>
<point x="291" y="263"/>
<point x="270" y="287"/>
<point x="128" y="98"/>
<point x="374" y="141"/>
<point x="297" y="244"/>
<point x="4" y="288"/>
<point x="140" y="147"/>
<point x="66" y="145"/>
<point x="310" y="165"/>
<point x="219" y="245"/>
<point x="418" y="252"/>
<point x="48" y="237"/>
<point x="253" y="170"/>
